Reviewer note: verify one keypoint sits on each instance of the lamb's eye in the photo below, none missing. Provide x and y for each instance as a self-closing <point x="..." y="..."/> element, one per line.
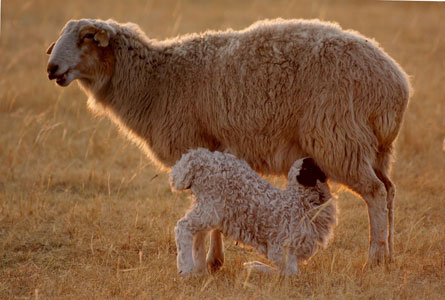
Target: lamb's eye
<point x="88" y="36"/>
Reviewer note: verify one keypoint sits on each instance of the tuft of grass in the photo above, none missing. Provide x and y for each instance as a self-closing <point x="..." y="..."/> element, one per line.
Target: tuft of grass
<point x="84" y="215"/>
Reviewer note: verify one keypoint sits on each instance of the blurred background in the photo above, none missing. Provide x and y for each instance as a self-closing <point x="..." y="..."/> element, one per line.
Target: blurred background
<point x="83" y="214"/>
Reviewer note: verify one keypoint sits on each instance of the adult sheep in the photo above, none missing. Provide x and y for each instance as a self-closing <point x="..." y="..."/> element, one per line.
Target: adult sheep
<point x="269" y="94"/>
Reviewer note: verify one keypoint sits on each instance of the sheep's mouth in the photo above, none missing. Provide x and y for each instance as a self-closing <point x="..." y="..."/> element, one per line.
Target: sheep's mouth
<point x="60" y="78"/>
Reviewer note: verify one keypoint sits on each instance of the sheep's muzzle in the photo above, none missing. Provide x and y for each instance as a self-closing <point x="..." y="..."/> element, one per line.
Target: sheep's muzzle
<point x="52" y="74"/>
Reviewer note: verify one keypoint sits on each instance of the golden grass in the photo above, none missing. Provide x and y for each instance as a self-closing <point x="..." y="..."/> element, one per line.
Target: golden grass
<point x="84" y="215"/>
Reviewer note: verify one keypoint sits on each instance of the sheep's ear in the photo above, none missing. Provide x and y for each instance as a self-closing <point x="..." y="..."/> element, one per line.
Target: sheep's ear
<point x="50" y="48"/>
<point x="102" y="38"/>
<point x="89" y="29"/>
<point x="100" y="35"/>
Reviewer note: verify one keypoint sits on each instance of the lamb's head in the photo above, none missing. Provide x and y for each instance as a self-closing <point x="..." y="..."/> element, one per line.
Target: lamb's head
<point x="306" y="174"/>
<point x="82" y="52"/>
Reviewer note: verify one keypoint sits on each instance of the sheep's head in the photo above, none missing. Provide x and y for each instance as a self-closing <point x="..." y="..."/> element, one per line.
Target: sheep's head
<point x="82" y="52"/>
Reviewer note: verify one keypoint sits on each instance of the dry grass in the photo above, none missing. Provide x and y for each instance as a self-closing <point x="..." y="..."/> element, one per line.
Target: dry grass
<point x="84" y="215"/>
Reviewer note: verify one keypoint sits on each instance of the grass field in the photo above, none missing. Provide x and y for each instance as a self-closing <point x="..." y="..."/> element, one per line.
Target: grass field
<point x="84" y="215"/>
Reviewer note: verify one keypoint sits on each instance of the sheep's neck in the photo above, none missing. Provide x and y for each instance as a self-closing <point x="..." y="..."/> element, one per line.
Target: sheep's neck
<point x="130" y="100"/>
<point x="140" y="99"/>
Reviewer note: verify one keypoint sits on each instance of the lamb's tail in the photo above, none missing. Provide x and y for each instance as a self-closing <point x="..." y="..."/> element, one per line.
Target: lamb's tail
<point x="182" y="173"/>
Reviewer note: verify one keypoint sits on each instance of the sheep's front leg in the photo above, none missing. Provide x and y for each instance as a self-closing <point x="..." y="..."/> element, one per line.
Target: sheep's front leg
<point x="184" y="244"/>
<point x="215" y="257"/>
<point x="199" y="252"/>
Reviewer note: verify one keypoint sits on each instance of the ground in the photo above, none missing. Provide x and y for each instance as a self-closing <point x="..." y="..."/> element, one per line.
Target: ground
<point x="85" y="215"/>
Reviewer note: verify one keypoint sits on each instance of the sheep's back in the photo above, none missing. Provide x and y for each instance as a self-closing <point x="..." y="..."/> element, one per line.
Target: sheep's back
<point x="265" y="87"/>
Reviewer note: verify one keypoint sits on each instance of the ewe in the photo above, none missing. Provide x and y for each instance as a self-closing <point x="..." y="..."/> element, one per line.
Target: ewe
<point x="270" y="94"/>
<point x="285" y="225"/>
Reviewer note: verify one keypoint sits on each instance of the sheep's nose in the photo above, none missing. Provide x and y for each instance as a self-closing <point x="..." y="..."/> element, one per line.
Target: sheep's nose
<point x="52" y="69"/>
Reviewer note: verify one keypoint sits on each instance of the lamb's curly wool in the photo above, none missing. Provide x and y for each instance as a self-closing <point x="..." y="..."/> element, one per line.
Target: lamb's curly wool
<point x="285" y="225"/>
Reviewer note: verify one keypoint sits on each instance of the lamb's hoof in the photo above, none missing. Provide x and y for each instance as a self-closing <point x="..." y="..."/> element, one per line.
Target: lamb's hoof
<point x="214" y="264"/>
<point x="185" y="271"/>
<point x="202" y="273"/>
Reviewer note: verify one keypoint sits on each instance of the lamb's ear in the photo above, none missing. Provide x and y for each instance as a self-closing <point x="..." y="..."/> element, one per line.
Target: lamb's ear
<point x="50" y="48"/>
<point x="102" y="38"/>
<point x="310" y="173"/>
<point x="305" y="178"/>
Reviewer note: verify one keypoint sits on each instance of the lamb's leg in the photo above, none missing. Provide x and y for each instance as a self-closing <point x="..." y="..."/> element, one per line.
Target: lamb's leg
<point x="291" y="265"/>
<point x="285" y="259"/>
<point x="215" y="257"/>
<point x="189" y="233"/>
<point x="184" y="244"/>
<point x="199" y="252"/>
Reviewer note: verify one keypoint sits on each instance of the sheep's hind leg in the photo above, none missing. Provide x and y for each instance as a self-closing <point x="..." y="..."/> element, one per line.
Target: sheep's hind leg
<point x="373" y="191"/>
<point x="215" y="257"/>
<point x="351" y="165"/>
<point x="381" y="170"/>
<point x="390" y="191"/>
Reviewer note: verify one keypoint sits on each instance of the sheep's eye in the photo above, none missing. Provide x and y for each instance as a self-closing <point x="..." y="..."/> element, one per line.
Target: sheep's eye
<point x="88" y="36"/>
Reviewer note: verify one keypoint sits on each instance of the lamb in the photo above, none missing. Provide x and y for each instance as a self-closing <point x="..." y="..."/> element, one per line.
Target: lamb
<point x="270" y="94"/>
<point x="285" y="225"/>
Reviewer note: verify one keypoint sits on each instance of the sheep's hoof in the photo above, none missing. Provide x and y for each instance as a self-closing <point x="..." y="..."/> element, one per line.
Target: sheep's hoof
<point x="378" y="255"/>
<point x="214" y="264"/>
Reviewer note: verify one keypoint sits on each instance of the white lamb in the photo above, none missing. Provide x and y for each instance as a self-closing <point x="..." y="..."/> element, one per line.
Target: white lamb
<point x="285" y="225"/>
